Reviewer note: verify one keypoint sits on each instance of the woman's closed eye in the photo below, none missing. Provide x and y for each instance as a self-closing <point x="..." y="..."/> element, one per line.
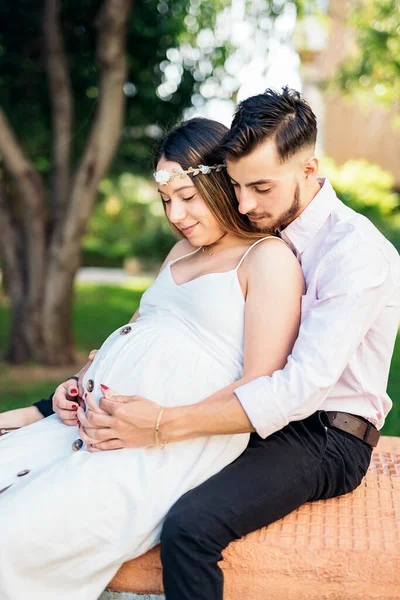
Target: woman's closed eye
<point x="266" y="191"/>
<point x="168" y="200"/>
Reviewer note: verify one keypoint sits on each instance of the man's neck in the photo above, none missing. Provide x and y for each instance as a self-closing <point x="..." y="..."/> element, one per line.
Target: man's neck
<point x="309" y="196"/>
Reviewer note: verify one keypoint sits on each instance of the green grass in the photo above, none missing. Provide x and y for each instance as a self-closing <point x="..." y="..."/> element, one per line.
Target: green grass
<point x="98" y="311"/>
<point x="392" y="424"/>
<point x="101" y="309"/>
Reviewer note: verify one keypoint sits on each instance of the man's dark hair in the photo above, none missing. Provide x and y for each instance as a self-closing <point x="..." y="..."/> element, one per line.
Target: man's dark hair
<point x="283" y="116"/>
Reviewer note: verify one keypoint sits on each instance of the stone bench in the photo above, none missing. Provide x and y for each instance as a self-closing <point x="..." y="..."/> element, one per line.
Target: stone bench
<point x="346" y="548"/>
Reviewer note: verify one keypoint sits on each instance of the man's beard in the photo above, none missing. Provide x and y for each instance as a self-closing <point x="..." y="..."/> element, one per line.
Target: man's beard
<point x="283" y="220"/>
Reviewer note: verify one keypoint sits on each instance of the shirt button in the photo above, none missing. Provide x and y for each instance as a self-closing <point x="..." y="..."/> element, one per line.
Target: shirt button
<point x="24" y="472"/>
<point x="125" y="330"/>
<point x="90" y="385"/>
<point x="77" y="445"/>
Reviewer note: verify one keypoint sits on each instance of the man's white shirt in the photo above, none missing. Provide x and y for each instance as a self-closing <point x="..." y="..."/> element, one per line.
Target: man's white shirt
<point x="350" y="317"/>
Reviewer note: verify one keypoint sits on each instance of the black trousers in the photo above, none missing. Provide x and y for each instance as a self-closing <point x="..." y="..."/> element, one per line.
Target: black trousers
<point x="305" y="461"/>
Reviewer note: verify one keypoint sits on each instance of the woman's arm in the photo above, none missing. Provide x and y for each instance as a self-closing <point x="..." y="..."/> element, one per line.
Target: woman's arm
<point x="20" y="417"/>
<point x="275" y="285"/>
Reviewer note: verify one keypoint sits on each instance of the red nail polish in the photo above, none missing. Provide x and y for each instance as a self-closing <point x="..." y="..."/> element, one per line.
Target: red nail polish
<point x="75" y="406"/>
<point x="73" y="391"/>
<point x="104" y="387"/>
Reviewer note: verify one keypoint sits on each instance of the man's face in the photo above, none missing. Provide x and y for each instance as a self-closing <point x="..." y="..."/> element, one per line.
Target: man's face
<point x="268" y="192"/>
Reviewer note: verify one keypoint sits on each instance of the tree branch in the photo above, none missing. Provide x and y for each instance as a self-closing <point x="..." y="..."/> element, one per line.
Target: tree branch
<point x="30" y="186"/>
<point x="10" y="247"/>
<point x="103" y="139"/>
<point x="61" y="107"/>
<point x="107" y="126"/>
<point x="108" y="120"/>
<point x="26" y="177"/>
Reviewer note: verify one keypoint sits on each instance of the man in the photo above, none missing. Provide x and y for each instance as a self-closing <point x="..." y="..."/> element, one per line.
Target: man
<point x="315" y="421"/>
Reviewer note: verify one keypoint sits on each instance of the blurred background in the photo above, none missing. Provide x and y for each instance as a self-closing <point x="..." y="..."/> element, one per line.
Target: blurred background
<point x="86" y="90"/>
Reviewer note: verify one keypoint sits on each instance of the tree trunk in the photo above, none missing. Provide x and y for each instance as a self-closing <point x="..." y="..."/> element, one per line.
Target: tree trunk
<point x="40" y="249"/>
<point x="64" y="253"/>
<point x="26" y="338"/>
<point x="31" y="334"/>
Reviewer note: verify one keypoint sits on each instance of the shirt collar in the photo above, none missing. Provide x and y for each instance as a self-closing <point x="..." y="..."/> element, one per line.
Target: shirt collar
<point x="302" y="230"/>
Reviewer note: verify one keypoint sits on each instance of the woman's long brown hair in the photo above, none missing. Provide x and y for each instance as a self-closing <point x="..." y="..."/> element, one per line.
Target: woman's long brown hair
<point x="195" y="142"/>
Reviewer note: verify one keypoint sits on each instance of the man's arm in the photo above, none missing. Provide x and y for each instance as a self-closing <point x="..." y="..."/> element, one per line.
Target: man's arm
<point x="351" y="296"/>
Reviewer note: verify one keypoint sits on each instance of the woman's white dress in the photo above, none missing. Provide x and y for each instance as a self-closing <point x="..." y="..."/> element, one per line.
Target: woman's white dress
<point x="68" y="524"/>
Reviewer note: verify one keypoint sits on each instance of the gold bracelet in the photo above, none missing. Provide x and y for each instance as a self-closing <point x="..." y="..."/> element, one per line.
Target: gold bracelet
<point x="157" y="430"/>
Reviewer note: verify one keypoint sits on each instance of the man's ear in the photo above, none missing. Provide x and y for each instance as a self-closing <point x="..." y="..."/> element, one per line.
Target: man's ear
<point x="310" y="168"/>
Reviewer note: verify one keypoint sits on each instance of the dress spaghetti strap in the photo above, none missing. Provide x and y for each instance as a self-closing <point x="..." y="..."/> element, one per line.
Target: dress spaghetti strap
<point x="255" y="244"/>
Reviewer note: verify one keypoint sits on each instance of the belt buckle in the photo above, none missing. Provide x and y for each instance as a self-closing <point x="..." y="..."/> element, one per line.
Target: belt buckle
<point x="371" y="436"/>
<point x="367" y="430"/>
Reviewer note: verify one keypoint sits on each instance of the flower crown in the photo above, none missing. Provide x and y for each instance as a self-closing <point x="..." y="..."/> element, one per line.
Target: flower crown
<point x="162" y="176"/>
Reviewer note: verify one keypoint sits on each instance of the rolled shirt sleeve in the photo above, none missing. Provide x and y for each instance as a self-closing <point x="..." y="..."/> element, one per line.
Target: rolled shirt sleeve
<point x="355" y="283"/>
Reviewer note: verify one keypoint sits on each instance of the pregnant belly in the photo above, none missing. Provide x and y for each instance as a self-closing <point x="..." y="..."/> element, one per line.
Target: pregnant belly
<point x="167" y="364"/>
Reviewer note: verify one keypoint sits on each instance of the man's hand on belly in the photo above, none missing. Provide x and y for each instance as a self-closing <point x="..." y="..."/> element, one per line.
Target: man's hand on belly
<point x="119" y="422"/>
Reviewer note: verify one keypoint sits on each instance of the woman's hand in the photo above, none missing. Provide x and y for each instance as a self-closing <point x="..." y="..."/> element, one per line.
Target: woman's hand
<point x="68" y="395"/>
<point x="66" y="401"/>
<point x="119" y="422"/>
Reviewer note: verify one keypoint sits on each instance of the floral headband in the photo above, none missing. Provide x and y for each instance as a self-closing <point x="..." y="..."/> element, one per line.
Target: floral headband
<point x="162" y="176"/>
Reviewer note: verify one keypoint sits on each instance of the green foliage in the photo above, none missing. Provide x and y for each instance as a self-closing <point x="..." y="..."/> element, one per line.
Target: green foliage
<point x="368" y="189"/>
<point x="162" y="35"/>
<point x="100" y="309"/>
<point x="23" y="82"/>
<point x="128" y="220"/>
<point x="375" y="67"/>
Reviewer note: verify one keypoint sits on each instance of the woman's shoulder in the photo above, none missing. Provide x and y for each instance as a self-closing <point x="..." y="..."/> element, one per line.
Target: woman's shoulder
<point x="271" y="255"/>
<point x="268" y="247"/>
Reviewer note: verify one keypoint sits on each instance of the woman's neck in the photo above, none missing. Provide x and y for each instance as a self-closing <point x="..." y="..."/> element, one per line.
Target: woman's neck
<point x="224" y="243"/>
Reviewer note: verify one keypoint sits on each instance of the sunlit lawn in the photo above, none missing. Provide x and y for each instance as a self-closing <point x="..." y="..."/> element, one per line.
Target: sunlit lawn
<point x="98" y="311"/>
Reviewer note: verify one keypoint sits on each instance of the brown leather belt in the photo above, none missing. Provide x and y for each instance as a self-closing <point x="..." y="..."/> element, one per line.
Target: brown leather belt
<point x="357" y="426"/>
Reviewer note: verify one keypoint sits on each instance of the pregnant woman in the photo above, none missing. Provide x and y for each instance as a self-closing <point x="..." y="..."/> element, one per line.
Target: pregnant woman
<point x="225" y="308"/>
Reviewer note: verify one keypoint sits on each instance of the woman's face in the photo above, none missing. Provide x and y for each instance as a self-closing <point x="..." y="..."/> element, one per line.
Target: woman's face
<point x="186" y="209"/>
